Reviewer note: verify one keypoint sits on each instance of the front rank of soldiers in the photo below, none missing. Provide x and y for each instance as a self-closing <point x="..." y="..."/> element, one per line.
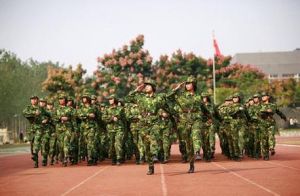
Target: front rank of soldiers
<point x="145" y="124"/>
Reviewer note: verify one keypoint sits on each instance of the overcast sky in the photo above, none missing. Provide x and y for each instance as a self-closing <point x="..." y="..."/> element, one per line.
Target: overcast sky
<point x="74" y="31"/>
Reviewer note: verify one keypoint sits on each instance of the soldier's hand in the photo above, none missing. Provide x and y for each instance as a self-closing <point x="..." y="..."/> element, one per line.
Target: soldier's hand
<point x="178" y="86"/>
<point x="37" y="112"/>
<point x="64" y="118"/>
<point x="269" y="110"/>
<point x="139" y="88"/>
<point x="92" y="115"/>
<point x="44" y="121"/>
<point x="115" y="119"/>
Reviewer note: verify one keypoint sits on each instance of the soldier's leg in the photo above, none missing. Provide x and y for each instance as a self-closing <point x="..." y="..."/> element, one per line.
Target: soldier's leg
<point x="141" y="146"/>
<point x="182" y="142"/>
<point x="190" y="148"/>
<point x="166" y="143"/>
<point x="45" y="147"/>
<point x="119" y="138"/>
<point x="241" y="140"/>
<point x="212" y="140"/>
<point x="272" y="140"/>
<point x="112" y="151"/>
<point x="37" y="142"/>
<point x="154" y="147"/>
<point x="66" y="146"/>
<point x="52" y="147"/>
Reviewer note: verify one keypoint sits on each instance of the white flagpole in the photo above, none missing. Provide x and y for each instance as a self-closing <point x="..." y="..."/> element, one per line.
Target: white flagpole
<point x="214" y="73"/>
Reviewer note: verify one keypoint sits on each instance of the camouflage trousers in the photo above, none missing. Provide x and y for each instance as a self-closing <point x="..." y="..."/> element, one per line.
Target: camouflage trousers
<point x="37" y="144"/>
<point x="236" y="142"/>
<point x="53" y="147"/>
<point x="116" y="138"/>
<point x="224" y="135"/>
<point x="74" y="147"/>
<point x="208" y="140"/>
<point x="191" y="137"/>
<point x="89" y="140"/>
<point x="102" y="145"/>
<point x="138" y="142"/>
<point x="164" y="142"/>
<point x="267" y="138"/>
<point x="46" y="146"/>
<point x="63" y="140"/>
<point x="149" y="140"/>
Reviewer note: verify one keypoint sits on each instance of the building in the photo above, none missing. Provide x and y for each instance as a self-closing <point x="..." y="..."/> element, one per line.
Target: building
<point x="276" y="65"/>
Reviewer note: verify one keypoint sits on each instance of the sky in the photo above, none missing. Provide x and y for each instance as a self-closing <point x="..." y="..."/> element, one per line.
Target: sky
<point x="79" y="31"/>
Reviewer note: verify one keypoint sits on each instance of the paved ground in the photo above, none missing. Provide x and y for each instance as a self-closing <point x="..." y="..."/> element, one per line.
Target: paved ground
<point x="279" y="176"/>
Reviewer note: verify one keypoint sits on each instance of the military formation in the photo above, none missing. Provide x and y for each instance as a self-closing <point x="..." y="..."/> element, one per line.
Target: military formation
<point x="145" y="124"/>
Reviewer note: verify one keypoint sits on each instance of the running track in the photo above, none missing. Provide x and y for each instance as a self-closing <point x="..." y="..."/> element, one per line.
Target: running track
<point x="279" y="176"/>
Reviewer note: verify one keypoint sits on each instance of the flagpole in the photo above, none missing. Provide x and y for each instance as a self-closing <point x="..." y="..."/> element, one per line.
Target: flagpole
<point x="214" y="73"/>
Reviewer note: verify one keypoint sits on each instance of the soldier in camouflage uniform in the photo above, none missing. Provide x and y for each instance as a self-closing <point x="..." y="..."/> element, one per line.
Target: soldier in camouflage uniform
<point x="64" y="128"/>
<point x="191" y="111"/>
<point x="224" y="129"/>
<point x="74" y="141"/>
<point x="208" y="128"/>
<point x="36" y="116"/>
<point x="53" y="147"/>
<point x="103" y="137"/>
<point x="238" y="123"/>
<point x="114" y="117"/>
<point x="134" y="115"/>
<point x="90" y="117"/>
<point x="47" y="133"/>
<point x="149" y="104"/>
<point x="267" y="111"/>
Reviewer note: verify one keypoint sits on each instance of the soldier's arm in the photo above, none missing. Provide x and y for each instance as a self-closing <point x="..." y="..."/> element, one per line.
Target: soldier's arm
<point x="281" y="114"/>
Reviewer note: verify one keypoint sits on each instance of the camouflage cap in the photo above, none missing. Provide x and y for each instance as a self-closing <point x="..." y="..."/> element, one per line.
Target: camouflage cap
<point x="70" y="98"/>
<point x="34" y="97"/>
<point x="191" y="79"/>
<point x="43" y="100"/>
<point x="263" y="94"/>
<point x="86" y="95"/>
<point x="229" y="98"/>
<point x="256" y="95"/>
<point x="94" y="97"/>
<point x="150" y="81"/>
<point x="50" y="102"/>
<point x="112" y="96"/>
<point x="205" y="94"/>
<point x="62" y="96"/>
<point x="236" y="95"/>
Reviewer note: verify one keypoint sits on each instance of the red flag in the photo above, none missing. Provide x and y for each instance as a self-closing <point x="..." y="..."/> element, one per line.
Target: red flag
<point x="217" y="50"/>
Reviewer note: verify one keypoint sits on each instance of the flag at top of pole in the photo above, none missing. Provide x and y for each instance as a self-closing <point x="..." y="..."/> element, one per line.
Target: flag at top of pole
<point x="217" y="50"/>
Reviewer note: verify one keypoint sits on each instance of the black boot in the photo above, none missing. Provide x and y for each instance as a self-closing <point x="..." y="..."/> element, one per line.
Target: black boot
<point x="36" y="160"/>
<point x="272" y="152"/>
<point x="192" y="168"/>
<point x="151" y="170"/>
<point x="118" y="162"/>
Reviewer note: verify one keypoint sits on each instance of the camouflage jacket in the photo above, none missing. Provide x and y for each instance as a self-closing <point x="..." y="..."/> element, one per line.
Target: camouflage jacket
<point x="64" y="111"/>
<point x="119" y="113"/>
<point x="34" y="119"/>
<point x="84" y="115"/>
<point x="267" y="111"/>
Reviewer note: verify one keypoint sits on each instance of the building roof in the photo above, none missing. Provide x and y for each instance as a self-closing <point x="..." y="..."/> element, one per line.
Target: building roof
<point x="271" y="62"/>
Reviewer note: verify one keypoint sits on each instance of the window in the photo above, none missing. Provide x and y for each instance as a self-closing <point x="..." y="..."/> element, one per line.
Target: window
<point x="288" y="75"/>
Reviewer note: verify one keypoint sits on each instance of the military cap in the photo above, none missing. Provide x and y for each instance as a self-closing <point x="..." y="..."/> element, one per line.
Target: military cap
<point x="94" y="97"/>
<point x="50" y="102"/>
<point x="62" y="96"/>
<point x="86" y="95"/>
<point x="191" y="79"/>
<point x="112" y="96"/>
<point x="256" y="95"/>
<point x="42" y="100"/>
<point x="70" y="98"/>
<point x="264" y="94"/>
<point x="150" y="81"/>
<point x="34" y="97"/>
<point x="229" y="98"/>
<point x="236" y="95"/>
<point x="205" y="94"/>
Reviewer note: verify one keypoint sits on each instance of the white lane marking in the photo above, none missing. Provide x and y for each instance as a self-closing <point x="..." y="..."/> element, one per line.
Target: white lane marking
<point x="84" y="181"/>
<point x="289" y="145"/>
<point x="163" y="181"/>
<point x="281" y="165"/>
<point x="247" y="180"/>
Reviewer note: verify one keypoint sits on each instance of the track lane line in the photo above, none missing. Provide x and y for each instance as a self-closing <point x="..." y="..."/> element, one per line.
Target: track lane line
<point x="246" y="179"/>
<point x="163" y="181"/>
<point x="289" y="145"/>
<point x="84" y="181"/>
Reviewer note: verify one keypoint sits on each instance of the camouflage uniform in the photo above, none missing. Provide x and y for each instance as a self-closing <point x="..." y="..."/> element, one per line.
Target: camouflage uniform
<point x="64" y="130"/>
<point x="115" y="130"/>
<point x="45" y="148"/>
<point x="89" y="116"/>
<point x="268" y="123"/>
<point x="238" y="123"/>
<point x="36" y="116"/>
<point x="224" y="129"/>
<point x="191" y="110"/>
<point x="53" y="147"/>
